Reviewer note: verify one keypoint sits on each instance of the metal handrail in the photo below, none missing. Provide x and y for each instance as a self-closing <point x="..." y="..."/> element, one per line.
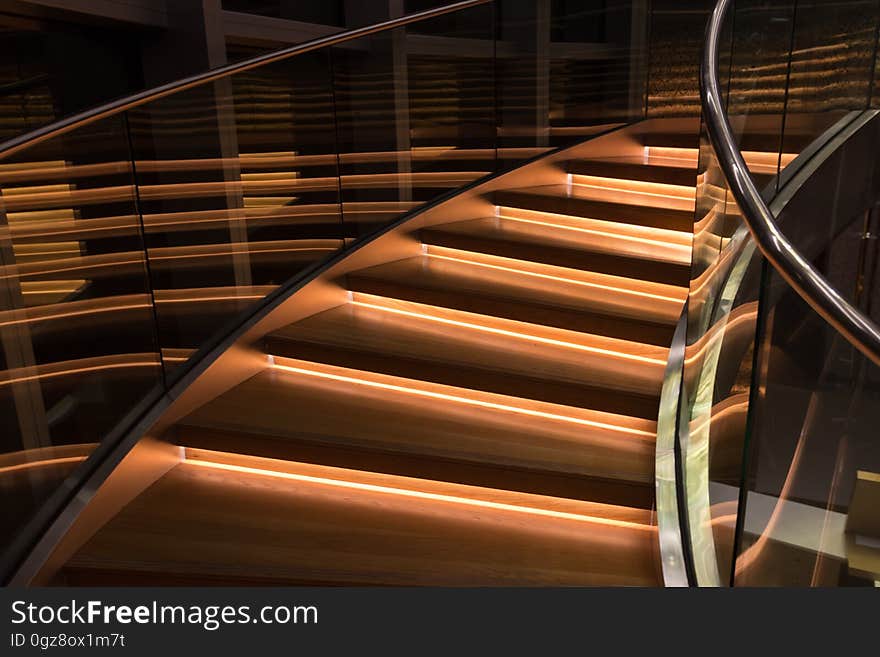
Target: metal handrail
<point x="807" y="281"/>
<point x="16" y="144"/>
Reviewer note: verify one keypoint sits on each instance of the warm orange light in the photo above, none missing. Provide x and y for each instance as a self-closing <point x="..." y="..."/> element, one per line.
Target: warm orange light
<point x="237" y="248"/>
<point x="75" y="309"/>
<point x="417" y="494"/>
<point x="156" y="222"/>
<point x="642" y="235"/>
<point x="640" y="186"/>
<point x="686" y="156"/>
<point x="621" y="190"/>
<point x="433" y="391"/>
<point x="730" y="406"/>
<point x="439" y="253"/>
<point x="73" y="264"/>
<point x="198" y="295"/>
<point x="728" y="323"/>
<point x="40" y="464"/>
<point x="437" y="178"/>
<point x="506" y="333"/>
<point x="177" y="355"/>
<point x="81" y="366"/>
<point x="757" y="161"/>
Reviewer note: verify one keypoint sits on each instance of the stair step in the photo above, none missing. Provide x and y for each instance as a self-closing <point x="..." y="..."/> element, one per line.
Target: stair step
<point x="635" y="169"/>
<point x="568" y="242"/>
<point x="472" y="283"/>
<point x="469" y="350"/>
<point x="369" y="528"/>
<point x="320" y="404"/>
<point x="472" y="473"/>
<point x="689" y="138"/>
<point x="562" y="199"/>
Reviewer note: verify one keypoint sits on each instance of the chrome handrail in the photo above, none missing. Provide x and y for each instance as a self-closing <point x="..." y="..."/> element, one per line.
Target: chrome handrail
<point x="807" y="281"/>
<point x="16" y="144"/>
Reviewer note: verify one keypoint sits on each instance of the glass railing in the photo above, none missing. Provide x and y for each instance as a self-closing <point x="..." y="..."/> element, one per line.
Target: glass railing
<point x="134" y="237"/>
<point x="776" y="408"/>
<point x="811" y="468"/>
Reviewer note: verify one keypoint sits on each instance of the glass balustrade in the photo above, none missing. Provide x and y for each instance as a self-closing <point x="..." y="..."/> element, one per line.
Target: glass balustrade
<point x="132" y="244"/>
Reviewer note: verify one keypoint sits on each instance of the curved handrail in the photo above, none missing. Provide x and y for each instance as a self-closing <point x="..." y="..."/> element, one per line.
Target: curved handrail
<point x="798" y="272"/>
<point x="86" y="117"/>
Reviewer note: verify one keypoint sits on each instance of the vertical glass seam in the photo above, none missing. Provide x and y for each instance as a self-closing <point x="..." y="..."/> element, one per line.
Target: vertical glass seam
<point x="143" y="234"/>
<point x="332" y="81"/>
<point x="754" y="387"/>
<point x="785" y="93"/>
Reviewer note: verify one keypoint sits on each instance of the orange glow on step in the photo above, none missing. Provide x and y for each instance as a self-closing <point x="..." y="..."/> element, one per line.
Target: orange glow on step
<point x="684" y="155"/>
<point x="436" y="391"/>
<point x="508" y="333"/>
<point x="659" y="237"/>
<point x="435" y="252"/>
<point x="757" y="161"/>
<point x="636" y="192"/>
<point x="415" y="494"/>
<point x="641" y="186"/>
<point x="40" y="464"/>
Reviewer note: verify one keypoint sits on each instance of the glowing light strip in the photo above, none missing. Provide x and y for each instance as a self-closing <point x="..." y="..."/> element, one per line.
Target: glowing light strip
<point x="39" y="464"/>
<point x="158" y="221"/>
<point x="510" y="334"/>
<point x="80" y="370"/>
<point x="83" y="264"/>
<point x="752" y="158"/>
<point x="43" y="290"/>
<point x="22" y="252"/>
<point x="688" y="155"/>
<point x="72" y="313"/>
<point x="241" y="251"/>
<point x="422" y="495"/>
<point x="560" y="279"/>
<point x="460" y="400"/>
<point x="246" y="297"/>
<point x="687" y="193"/>
<point x="601" y="233"/>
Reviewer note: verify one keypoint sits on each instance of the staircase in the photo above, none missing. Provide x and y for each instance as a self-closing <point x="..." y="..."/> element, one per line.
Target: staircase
<point x="482" y="413"/>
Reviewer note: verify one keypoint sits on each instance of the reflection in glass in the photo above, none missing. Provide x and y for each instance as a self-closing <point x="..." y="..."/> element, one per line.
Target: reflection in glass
<point x="76" y="315"/>
<point x="238" y="190"/>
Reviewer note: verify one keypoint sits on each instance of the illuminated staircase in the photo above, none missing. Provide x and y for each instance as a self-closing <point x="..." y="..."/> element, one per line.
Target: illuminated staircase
<point x="480" y="413"/>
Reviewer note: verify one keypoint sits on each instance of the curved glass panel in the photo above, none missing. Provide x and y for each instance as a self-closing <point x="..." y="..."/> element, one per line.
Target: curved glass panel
<point x="77" y="323"/>
<point x="722" y="305"/>
<point x="130" y="244"/>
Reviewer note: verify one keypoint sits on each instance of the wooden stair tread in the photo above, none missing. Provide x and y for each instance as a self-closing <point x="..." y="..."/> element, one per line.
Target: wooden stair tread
<point x="504" y="477"/>
<point x="564" y="245"/>
<point x="467" y="287"/>
<point x="562" y="199"/>
<point x="303" y="532"/>
<point x="473" y="351"/>
<point x="323" y="404"/>
<point x="635" y="168"/>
